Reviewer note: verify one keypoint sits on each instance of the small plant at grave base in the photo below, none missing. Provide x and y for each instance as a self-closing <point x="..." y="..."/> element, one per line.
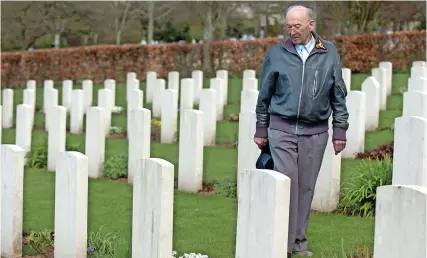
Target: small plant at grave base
<point x="359" y="196"/>
<point x="102" y="244"/>
<point x="156" y="122"/>
<point x="226" y="188"/>
<point x="189" y="255"/>
<point x="116" y="130"/>
<point x="75" y="147"/>
<point x="378" y="153"/>
<point x="232" y="117"/>
<point x="116" y="167"/>
<point x="42" y="242"/>
<point x="37" y="157"/>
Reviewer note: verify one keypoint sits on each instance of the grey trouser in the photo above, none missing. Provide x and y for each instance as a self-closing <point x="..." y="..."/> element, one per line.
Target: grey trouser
<point x="299" y="157"/>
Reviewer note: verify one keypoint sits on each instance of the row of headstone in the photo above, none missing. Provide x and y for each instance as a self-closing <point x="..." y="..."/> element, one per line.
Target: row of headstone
<point x="400" y="213"/>
<point x="265" y="195"/>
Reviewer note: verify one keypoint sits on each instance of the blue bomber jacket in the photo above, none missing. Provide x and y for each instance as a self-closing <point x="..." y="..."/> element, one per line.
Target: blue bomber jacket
<point x="297" y="97"/>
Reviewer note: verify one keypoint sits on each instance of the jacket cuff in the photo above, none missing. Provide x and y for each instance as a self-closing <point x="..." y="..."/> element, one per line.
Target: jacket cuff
<point x="261" y="131"/>
<point x="339" y="134"/>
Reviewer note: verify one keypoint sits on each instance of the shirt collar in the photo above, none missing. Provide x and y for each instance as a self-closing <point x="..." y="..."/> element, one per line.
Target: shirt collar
<point x="309" y="46"/>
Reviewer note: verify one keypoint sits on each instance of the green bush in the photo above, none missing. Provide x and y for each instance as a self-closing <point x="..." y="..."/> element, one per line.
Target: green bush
<point x="75" y="147"/>
<point x="116" y="167"/>
<point x="104" y="245"/>
<point x="226" y="188"/>
<point x="37" y="157"/>
<point x="41" y="242"/>
<point x="359" y="196"/>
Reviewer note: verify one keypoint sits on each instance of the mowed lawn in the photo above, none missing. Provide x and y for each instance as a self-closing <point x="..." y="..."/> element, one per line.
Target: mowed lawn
<point x="202" y="223"/>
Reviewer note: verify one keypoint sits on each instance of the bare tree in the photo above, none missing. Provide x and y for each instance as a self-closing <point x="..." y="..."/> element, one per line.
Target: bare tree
<point x="122" y="9"/>
<point x="151" y="11"/>
<point x="209" y="14"/>
<point x="21" y="24"/>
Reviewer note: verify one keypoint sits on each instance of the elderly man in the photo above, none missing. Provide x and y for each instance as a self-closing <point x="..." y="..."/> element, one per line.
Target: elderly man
<point x="301" y="86"/>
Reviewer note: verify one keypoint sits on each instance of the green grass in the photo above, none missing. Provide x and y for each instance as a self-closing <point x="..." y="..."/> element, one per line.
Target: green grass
<point x="202" y="223"/>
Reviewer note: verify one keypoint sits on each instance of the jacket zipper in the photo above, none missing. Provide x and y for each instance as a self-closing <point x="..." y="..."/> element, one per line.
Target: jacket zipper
<point x="302" y="86"/>
<point x="300" y="94"/>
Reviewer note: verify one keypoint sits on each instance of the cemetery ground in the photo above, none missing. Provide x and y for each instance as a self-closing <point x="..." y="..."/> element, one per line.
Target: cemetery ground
<point x="203" y="222"/>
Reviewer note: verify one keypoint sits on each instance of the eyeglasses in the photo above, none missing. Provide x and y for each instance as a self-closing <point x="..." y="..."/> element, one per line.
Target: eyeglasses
<point x="297" y="27"/>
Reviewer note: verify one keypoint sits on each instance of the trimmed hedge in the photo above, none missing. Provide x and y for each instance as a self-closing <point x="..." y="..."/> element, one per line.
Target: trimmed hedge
<point x="360" y="53"/>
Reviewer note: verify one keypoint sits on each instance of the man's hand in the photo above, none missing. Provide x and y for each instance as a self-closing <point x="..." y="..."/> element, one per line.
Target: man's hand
<point x="260" y="141"/>
<point x="339" y="145"/>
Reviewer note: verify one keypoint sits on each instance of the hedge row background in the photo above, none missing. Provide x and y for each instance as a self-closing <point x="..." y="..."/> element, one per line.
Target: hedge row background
<point x="360" y="53"/>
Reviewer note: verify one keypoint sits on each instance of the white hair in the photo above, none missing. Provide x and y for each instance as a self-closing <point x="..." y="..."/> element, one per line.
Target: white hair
<point x="309" y="10"/>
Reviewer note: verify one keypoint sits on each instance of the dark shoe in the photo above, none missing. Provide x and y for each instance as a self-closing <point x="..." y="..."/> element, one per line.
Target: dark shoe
<point x="289" y="255"/>
<point x="303" y="253"/>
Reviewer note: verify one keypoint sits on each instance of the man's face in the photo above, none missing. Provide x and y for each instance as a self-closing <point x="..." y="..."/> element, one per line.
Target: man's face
<point x="299" y="26"/>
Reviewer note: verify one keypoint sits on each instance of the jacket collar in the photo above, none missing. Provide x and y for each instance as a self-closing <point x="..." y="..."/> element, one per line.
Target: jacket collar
<point x="319" y="44"/>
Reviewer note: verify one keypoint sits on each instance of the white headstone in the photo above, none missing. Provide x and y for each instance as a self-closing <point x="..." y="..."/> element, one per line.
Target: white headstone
<point x="371" y="88"/>
<point x="197" y="77"/>
<point x="419" y="63"/>
<point x="223" y="74"/>
<point x="400" y="221"/>
<point x="415" y="104"/>
<point x="51" y="102"/>
<point x="217" y="85"/>
<point x="29" y="97"/>
<point x="190" y="170"/>
<point x="153" y="195"/>
<point x="208" y="107"/>
<point x="410" y="151"/>
<point x="95" y="141"/>
<point x="135" y="100"/>
<point x="159" y="87"/>
<point x="47" y="85"/>
<point x="247" y="151"/>
<point x="150" y="84"/>
<point x="111" y="85"/>
<point x="24" y="115"/>
<point x="417" y="84"/>
<point x="77" y="112"/>
<point x="67" y="89"/>
<point x="250" y="84"/>
<point x="248" y="100"/>
<point x="173" y="80"/>
<point x="88" y="91"/>
<point x="130" y="76"/>
<point x="32" y="85"/>
<point x="131" y="85"/>
<point x="105" y="97"/>
<point x="380" y="74"/>
<point x="169" y="116"/>
<point x="418" y="71"/>
<point x="356" y="106"/>
<point x="56" y="136"/>
<point x="389" y="77"/>
<point x="7" y="108"/>
<point x="263" y="207"/>
<point x="12" y="188"/>
<point x="71" y="205"/>
<point x="249" y="73"/>
<point x="346" y="75"/>
<point x="187" y="94"/>
<point x="139" y="141"/>
<point x="327" y="190"/>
